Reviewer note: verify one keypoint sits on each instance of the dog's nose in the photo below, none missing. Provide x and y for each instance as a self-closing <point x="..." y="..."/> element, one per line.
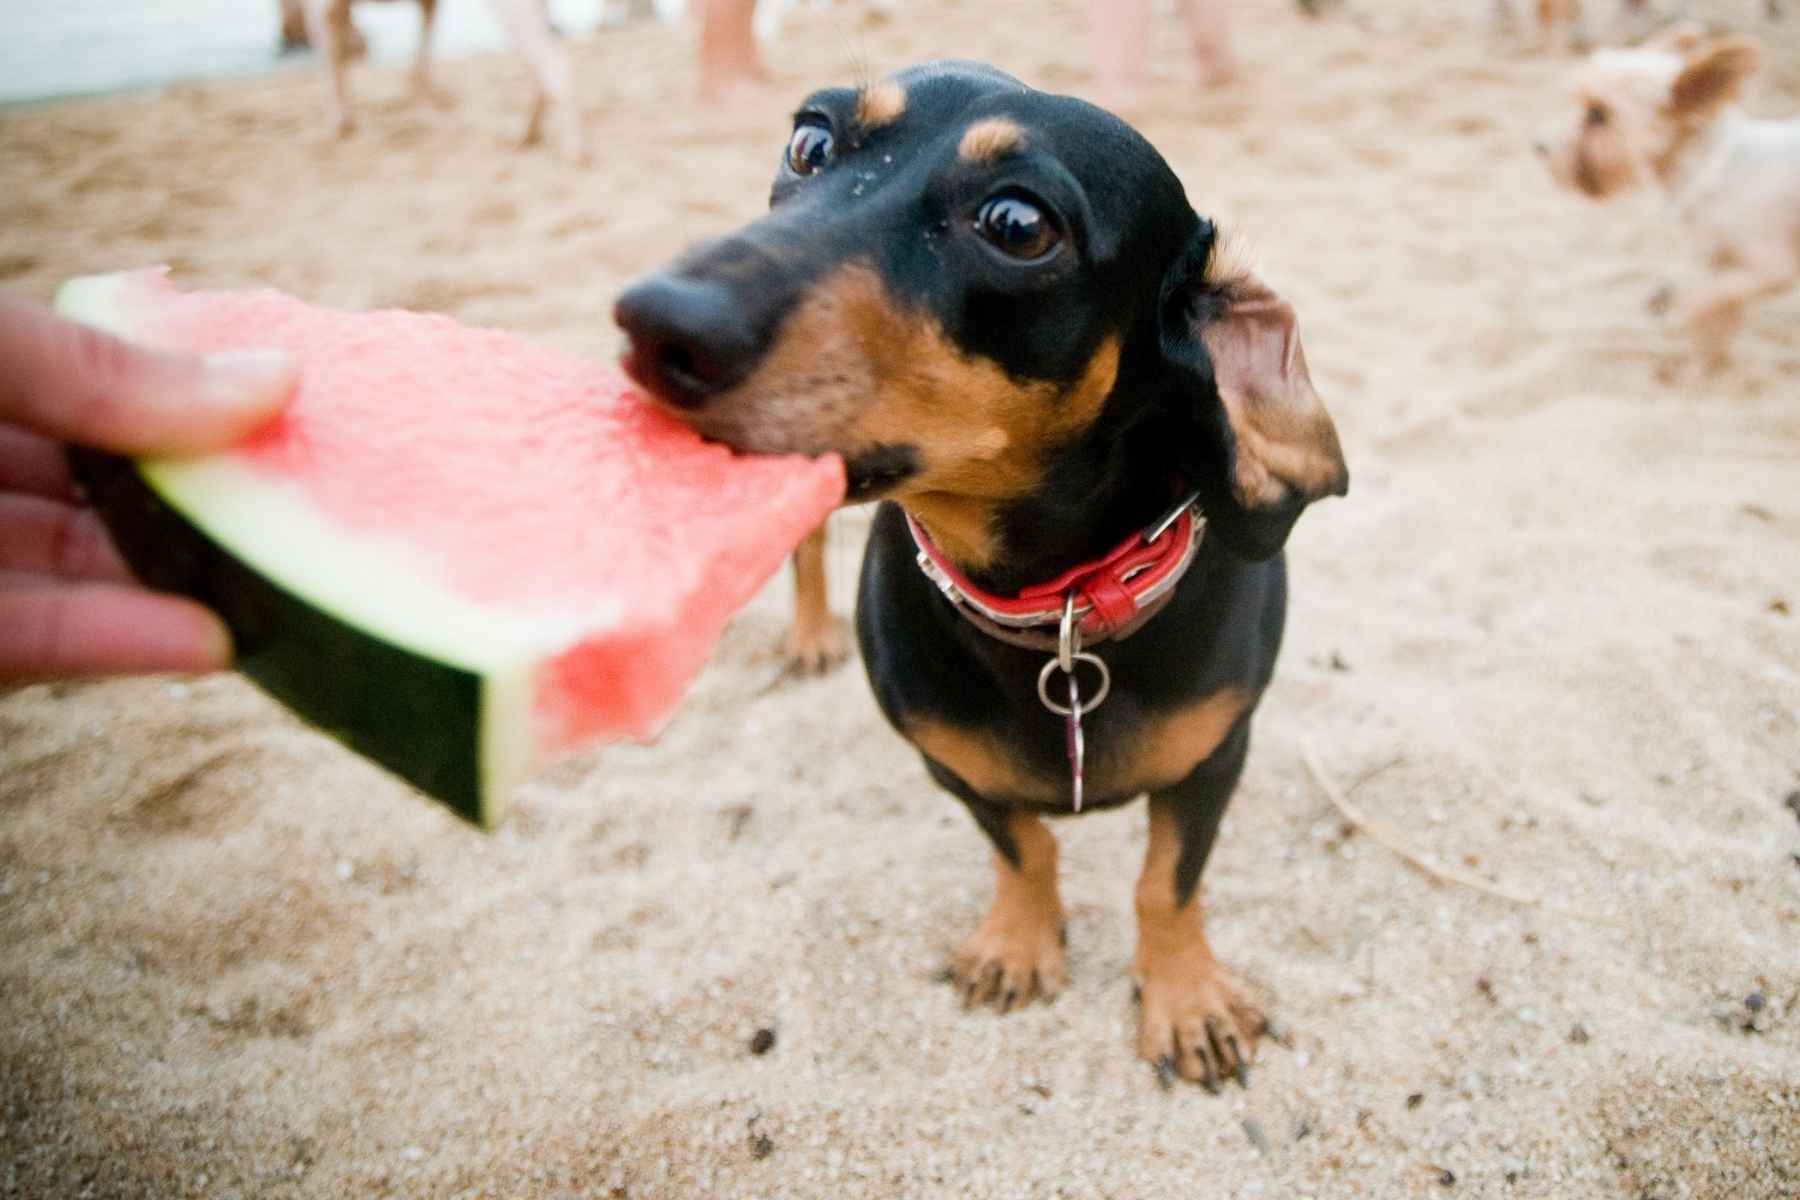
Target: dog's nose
<point x="690" y="338"/>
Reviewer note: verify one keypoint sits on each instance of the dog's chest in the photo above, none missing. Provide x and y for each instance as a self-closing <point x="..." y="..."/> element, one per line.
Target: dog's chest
<point x="1027" y="762"/>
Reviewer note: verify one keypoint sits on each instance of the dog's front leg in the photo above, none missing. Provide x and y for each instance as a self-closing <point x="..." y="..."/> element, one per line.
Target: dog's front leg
<point x="1192" y="1020"/>
<point x="1717" y="307"/>
<point x="1016" y="954"/>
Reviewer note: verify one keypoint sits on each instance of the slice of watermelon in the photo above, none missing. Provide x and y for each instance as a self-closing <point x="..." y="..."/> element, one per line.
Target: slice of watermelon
<point x="457" y="552"/>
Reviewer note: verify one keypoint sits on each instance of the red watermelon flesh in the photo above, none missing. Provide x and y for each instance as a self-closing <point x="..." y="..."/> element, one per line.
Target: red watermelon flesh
<point x="519" y="494"/>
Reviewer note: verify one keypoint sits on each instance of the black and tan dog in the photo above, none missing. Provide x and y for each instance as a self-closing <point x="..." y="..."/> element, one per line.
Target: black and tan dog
<point x="998" y="306"/>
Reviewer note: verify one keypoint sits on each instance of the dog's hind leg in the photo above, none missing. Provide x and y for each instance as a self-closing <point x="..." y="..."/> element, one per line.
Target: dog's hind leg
<point x="327" y="23"/>
<point x="817" y="641"/>
<point x="422" y="84"/>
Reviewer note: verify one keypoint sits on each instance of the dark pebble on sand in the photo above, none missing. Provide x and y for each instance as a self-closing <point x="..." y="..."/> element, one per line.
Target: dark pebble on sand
<point x="761" y="1145"/>
<point x="762" y="1041"/>
<point x="1754" y="1002"/>
<point x="1578" y="1033"/>
<point x="1415" y="1099"/>
<point x="1793" y="803"/>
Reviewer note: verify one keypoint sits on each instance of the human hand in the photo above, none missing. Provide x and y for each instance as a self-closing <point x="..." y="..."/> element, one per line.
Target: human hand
<point x="68" y="604"/>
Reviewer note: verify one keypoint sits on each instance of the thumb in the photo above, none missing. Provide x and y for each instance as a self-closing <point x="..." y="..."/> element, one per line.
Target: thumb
<point x="79" y="384"/>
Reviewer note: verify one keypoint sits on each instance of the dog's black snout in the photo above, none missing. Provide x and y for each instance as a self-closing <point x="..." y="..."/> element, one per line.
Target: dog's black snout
<point x="690" y="338"/>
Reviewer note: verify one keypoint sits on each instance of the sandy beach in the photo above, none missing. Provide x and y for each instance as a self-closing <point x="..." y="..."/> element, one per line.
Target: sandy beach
<point x="1549" y="637"/>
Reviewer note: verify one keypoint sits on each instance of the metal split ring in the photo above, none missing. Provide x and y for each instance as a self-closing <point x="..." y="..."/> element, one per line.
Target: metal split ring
<point x="1063" y="710"/>
<point x="1068" y="640"/>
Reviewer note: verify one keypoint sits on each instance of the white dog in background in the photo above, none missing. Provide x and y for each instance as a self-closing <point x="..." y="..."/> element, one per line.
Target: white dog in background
<point x="527" y="25"/>
<point x="1666" y="113"/>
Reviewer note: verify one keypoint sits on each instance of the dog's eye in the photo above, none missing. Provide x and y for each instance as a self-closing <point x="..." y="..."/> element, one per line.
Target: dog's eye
<point x="1017" y="227"/>
<point x="809" y="149"/>
<point x="1597" y="115"/>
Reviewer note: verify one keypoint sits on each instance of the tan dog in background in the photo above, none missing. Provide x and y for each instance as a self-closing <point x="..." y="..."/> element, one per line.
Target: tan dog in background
<point x="1666" y="112"/>
<point x="527" y="25"/>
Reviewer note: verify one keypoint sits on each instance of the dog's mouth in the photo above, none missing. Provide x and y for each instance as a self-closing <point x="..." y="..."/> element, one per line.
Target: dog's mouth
<point x="668" y="376"/>
<point x="879" y="470"/>
<point x="870" y="472"/>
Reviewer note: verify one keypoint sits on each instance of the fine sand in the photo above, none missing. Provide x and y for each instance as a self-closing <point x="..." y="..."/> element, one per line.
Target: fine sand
<point x="1548" y="637"/>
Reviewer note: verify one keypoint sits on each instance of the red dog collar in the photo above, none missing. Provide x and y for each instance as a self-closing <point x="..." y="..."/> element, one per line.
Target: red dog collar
<point x="1112" y="596"/>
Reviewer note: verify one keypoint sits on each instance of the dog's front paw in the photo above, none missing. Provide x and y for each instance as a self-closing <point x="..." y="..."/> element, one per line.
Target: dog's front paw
<point x="1015" y="957"/>
<point x="1192" y="1021"/>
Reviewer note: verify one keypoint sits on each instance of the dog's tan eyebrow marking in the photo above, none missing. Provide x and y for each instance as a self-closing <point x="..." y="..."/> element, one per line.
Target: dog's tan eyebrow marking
<point x="989" y="140"/>
<point x="880" y="104"/>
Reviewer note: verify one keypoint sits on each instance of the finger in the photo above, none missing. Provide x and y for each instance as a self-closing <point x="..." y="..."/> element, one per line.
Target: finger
<point x="79" y="384"/>
<point x="104" y="629"/>
<point x="34" y="465"/>
<point x="53" y="538"/>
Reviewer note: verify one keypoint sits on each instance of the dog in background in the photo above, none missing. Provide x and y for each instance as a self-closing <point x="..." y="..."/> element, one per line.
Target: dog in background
<point x="326" y="26"/>
<point x="1666" y="113"/>
<point x="1560" y="22"/>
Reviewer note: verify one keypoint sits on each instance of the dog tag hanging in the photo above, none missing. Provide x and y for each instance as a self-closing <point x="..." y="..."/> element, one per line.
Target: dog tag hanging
<point x="1070" y="655"/>
<point x="1076" y="742"/>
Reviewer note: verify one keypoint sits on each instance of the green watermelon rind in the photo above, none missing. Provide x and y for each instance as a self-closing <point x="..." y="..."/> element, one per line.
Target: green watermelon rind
<point x="369" y="650"/>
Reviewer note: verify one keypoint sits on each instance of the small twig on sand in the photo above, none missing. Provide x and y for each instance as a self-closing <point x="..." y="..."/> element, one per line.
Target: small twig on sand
<point x="1442" y="873"/>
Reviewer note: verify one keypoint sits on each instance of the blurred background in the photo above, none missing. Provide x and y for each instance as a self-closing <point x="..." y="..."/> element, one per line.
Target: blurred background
<point x="1549" y="635"/>
<point x="83" y="47"/>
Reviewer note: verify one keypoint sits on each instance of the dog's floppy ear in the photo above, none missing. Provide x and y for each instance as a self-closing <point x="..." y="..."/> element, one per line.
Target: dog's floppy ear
<point x="1265" y="446"/>
<point x="1712" y="75"/>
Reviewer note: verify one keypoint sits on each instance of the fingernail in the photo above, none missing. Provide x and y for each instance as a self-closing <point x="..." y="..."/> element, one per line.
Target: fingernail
<point x="248" y="377"/>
